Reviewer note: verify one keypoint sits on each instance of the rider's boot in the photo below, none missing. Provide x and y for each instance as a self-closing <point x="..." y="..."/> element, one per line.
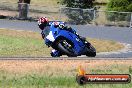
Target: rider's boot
<point x="55" y="53"/>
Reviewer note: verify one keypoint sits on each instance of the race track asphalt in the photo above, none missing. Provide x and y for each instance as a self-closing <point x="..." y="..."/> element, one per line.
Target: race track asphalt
<point x="120" y="34"/>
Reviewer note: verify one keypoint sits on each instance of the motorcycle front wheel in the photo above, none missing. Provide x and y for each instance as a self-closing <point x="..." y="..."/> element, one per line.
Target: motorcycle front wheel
<point x="66" y="47"/>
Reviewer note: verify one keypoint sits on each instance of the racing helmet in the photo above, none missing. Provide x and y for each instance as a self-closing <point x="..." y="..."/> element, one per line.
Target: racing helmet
<point x="42" y="22"/>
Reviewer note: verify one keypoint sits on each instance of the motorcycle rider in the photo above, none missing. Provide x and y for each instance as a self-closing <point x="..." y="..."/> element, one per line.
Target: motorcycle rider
<point x="44" y="25"/>
<point x="43" y="22"/>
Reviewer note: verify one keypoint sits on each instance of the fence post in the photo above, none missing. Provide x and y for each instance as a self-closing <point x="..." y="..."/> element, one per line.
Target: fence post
<point x="60" y="13"/>
<point x="131" y="21"/>
<point x="94" y="18"/>
<point x="23" y="10"/>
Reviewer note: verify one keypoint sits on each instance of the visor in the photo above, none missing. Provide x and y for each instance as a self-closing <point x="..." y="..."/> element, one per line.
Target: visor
<point x="46" y="31"/>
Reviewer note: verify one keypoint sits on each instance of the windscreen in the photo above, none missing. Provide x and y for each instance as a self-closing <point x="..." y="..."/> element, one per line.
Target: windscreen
<point x="46" y="31"/>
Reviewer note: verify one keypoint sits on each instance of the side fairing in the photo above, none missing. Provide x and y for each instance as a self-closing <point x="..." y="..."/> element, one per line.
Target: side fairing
<point x="78" y="44"/>
<point x="50" y="37"/>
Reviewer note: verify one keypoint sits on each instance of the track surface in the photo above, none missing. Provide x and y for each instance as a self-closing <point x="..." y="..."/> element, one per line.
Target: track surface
<point x="123" y="35"/>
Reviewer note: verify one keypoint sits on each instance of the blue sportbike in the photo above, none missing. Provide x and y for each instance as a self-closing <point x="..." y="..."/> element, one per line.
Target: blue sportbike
<point x="65" y="41"/>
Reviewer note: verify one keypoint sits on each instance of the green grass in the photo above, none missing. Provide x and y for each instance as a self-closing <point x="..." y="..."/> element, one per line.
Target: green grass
<point x="10" y="80"/>
<point x="15" y="43"/>
<point x="35" y="81"/>
<point x="37" y="74"/>
<point x="15" y="46"/>
<point x="28" y="44"/>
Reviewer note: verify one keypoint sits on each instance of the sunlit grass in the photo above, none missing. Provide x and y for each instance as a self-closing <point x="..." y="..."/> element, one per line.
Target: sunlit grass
<point x="20" y="43"/>
<point x="36" y="2"/>
<point x="105" y="45"/>
<point x="36" y="81"/>
<point x="38" y="76"/>
<point x="24" y="43"/>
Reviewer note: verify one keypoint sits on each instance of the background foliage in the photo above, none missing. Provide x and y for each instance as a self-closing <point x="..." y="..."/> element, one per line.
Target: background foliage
<point x="78" y="3"/>
<point x="78" y="16"/>
<point x="121" y="6"/>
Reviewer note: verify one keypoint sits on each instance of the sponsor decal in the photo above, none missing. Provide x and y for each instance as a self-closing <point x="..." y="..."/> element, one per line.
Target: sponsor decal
<point x="83" y="78"/>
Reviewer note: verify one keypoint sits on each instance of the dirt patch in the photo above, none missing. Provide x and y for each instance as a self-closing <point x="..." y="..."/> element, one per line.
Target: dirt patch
<point x="8" y="13"/>
<point x="67" y="67"/>
<point x="20" y="33"/>
<point x="35" y="15"/>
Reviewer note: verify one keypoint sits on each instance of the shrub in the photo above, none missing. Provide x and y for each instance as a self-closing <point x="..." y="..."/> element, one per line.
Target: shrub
<point x="78" y="3"/>
<point x="121" y="6"/>
<point x="78" y="15"/>
<point x="129" y="8"/>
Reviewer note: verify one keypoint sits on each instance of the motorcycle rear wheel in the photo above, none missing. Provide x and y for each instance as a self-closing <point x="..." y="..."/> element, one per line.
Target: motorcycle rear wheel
<point x="91" y="51"/>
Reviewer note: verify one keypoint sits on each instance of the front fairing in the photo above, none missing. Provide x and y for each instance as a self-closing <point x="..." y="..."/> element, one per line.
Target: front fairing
<point x="46" y="31"/>
<point x="51" y="36"/>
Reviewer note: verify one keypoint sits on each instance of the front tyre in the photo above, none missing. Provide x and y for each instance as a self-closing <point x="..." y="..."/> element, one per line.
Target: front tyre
<point x="66" y="47"/>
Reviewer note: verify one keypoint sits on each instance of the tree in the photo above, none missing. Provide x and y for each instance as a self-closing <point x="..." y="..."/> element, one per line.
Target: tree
<point x="78" y="3"/>
<point x="121" y="6"/>
<point x="24" y="1"/>
<point x="78" y="15"/>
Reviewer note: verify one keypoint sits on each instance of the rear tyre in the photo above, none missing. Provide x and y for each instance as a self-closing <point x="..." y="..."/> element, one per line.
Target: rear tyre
<point x="91" y="54"/>
<point x="91" y="51"/>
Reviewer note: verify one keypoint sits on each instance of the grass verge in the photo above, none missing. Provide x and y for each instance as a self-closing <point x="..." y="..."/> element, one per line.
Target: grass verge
<point x="30" y="44"/>
<point x="46" y="74"/>
<point x="36" y="81"/>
